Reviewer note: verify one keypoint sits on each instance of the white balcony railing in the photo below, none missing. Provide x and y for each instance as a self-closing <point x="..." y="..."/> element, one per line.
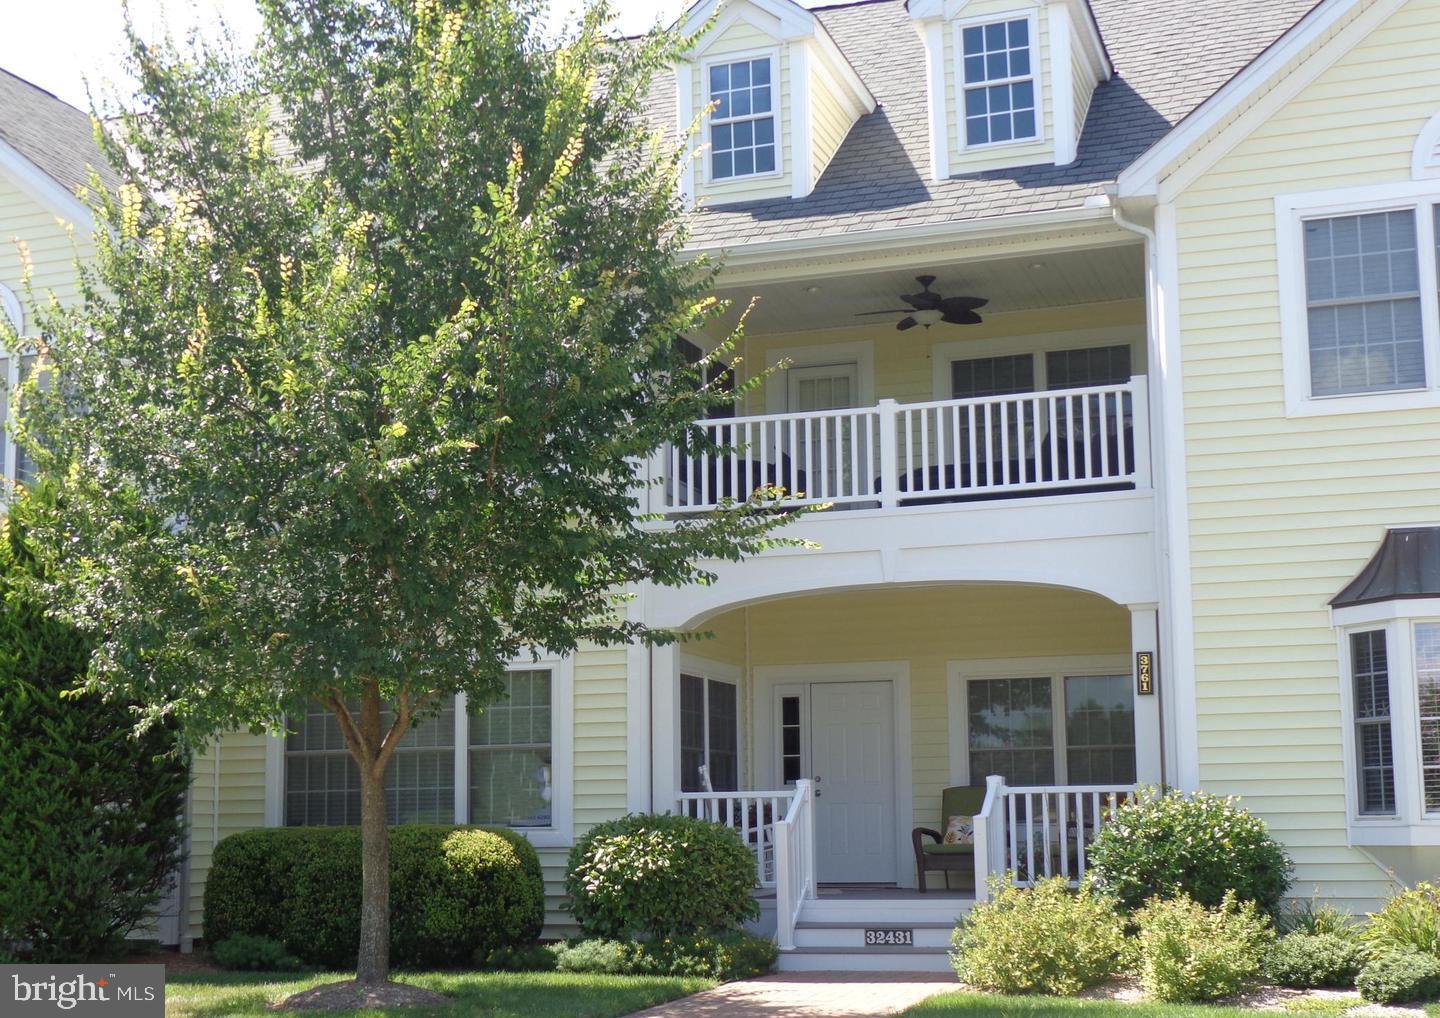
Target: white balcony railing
<point x="896" y="454"/>
<point x="1035" y="832"/>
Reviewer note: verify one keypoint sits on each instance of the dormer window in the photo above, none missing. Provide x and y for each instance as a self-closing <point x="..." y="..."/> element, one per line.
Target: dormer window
<point x="999" y="76"/>
<point x="742" y="127"/>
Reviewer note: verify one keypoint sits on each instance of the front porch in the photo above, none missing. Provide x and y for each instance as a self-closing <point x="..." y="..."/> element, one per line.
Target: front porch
<point x="824" y="728"/>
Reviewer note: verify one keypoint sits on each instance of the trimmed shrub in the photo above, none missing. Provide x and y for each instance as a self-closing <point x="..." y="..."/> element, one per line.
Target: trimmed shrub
<point x="253" y="954"/>
<point x="90" y="834"/>
<point x="1409" y="921"/>
<point x="660" y="876"/>
<point x="1400" y="978"/>
<point x="1042" y="939"/>
<point x="1192" y="953"/>
<point x="734" y="954"/>
<point x="1200" y="845"/>
<point x="455" y="892"/>
<point x="1309" y="960"/>
<point x="534" y="958"/>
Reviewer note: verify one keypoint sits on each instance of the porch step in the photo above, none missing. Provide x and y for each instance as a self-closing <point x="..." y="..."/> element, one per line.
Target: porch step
<point x="849" y="936"/>
<point x="864" y="959"/>
<point x="908" y="911"/>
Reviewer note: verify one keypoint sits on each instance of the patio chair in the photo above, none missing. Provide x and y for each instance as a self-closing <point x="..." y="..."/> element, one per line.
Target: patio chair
<point x="962" y="800"/>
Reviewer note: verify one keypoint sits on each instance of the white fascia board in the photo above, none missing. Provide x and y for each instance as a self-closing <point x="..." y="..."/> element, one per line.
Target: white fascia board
<point x="1142" y="177"/>
<point x="897" y="238"/>
<point x="782" y="20"/>
<point x="858" y="94"/>
<point x="802" y="140"/>
<point x="45" y="189"/>
<point x="924" y="10"/>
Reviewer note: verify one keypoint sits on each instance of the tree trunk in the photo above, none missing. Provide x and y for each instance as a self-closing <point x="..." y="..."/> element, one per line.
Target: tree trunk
<point x="373" y="967"/>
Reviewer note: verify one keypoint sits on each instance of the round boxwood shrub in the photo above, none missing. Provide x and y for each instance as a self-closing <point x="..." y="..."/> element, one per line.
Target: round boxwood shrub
<point x="1200" y="845"/>
<point x="660" y="875"/>
<point x="1400" y="978"/>
<point x="455" y="892"/>
<point x="1041" y="939"/>
<point x="1309" y="960"/>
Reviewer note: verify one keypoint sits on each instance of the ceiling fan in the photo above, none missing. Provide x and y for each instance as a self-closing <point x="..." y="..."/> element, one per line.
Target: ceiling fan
<point x="928" y="308"/>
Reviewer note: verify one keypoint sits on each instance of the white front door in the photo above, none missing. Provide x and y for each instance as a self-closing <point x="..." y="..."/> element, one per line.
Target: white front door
<point x="852" y="739"/>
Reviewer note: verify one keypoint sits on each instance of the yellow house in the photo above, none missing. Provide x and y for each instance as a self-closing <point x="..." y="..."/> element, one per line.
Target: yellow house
<point x="1110" y="334"/>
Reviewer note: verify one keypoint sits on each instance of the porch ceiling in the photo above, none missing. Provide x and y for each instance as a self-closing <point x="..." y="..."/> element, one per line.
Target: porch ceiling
<point x="1038" y="280"/>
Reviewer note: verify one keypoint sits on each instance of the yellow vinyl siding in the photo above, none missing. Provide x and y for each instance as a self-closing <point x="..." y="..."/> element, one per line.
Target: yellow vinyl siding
<point x="744" y="38"/>
<point x="52" y="248"/>
<point x="1084" y="84"/>
<point x="987" y="157"/>
<point x="829" y="123"/>
<point x="1285" y="511"/>
<point x="927" y="628"/>
<point x="599" y="775"/>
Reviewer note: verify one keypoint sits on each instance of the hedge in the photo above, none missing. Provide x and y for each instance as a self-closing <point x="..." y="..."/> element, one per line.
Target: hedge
<point x="454" y="891"/>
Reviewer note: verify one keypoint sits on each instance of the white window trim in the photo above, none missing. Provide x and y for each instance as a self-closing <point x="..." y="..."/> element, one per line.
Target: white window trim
<point x="560" y="833"/>
<point x="731" y="675"/>
<point x="1036" y="75"/>
<point x="1291" y="212"/>
<point x="942" y="355"/>
<point x="776" y="107"/>
<point x="777" y="385"/>
<point x="1410" y="825"/>
<point x="1057" y="669"/>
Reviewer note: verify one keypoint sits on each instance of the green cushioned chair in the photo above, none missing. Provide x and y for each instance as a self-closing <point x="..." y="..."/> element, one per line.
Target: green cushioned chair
<point x="962" y="800"/>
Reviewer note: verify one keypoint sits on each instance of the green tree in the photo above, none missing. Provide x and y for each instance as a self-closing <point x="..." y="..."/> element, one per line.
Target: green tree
<point x="358" y="423"/>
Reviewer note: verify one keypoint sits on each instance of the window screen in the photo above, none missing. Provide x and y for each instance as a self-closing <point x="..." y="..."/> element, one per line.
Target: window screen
<point x="511" y="769"/>
<point x="322" y="782"/>
<point x="1362" y="288"/>
<point x="1427" y="689"/>
<point x="1099" y="730"/>
<point x="1370" y="673"/>
<point x="1076" y="369"/>
<point x="742" y="127"/>
<point x="709" y="734"/>
<point x="1012" y="730"/>
<point x="992" y="376"/>
<point x="999" y="83"/>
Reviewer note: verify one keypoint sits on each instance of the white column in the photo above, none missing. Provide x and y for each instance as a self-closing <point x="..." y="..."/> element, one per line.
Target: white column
<point x="665" y="728"/>
<point x="637" y="713"/>
<point x="1145" y="637"/>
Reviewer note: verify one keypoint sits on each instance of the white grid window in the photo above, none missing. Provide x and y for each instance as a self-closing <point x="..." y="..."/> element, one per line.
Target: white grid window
<point x="709" y="734"/>
<point x="742" y="126"/>
<point x="1427" y="693"/>
<point x="1375" y="761"/>
<point x="511" y="755"/>
<point x="322" y="782"/>
<point x="1362" y="290"/>
<point x="999" y="92"/>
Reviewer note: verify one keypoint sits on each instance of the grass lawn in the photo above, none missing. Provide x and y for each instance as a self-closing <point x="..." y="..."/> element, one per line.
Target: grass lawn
<point x="478" y="994"/>
<point x="979" y="1005"/>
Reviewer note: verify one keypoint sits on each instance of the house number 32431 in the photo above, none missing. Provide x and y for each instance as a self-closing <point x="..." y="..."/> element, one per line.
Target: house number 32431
<point x="889" y="938"/>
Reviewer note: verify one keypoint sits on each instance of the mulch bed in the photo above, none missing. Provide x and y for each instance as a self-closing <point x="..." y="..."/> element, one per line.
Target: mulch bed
<point x="351" y="995"/>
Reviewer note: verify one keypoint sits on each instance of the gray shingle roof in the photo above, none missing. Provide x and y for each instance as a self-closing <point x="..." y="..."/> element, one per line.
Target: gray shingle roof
<point x="1169" y="56"/>
<point x="49" y="132"/>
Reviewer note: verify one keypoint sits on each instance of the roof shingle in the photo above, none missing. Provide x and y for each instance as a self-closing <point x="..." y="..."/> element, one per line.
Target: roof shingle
<point x="1169" y="56"/>
<point x="51" y="133"/>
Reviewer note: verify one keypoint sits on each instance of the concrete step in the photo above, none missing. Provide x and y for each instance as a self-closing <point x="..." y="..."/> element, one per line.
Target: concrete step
<point x="885" y="911"/>
<point x="928" y="936"/>
<point x="864" y="959"/>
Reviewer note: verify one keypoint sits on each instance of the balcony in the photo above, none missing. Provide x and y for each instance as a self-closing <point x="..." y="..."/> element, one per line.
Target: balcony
<point x="895" y="455"/>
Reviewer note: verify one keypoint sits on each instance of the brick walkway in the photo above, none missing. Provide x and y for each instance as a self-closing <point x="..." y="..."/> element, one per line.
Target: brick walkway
<point x="809" y="995"/>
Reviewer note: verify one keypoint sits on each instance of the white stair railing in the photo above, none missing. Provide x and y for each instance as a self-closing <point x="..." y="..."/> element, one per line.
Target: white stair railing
<point x="896" y="454"/>
<point x="794" y="863"/>
<point x="1038" y="831"/>
<point x="753" y="815"/>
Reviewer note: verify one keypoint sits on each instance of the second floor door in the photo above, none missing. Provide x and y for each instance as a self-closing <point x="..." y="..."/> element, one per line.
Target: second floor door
<point x="829" y="449"/>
